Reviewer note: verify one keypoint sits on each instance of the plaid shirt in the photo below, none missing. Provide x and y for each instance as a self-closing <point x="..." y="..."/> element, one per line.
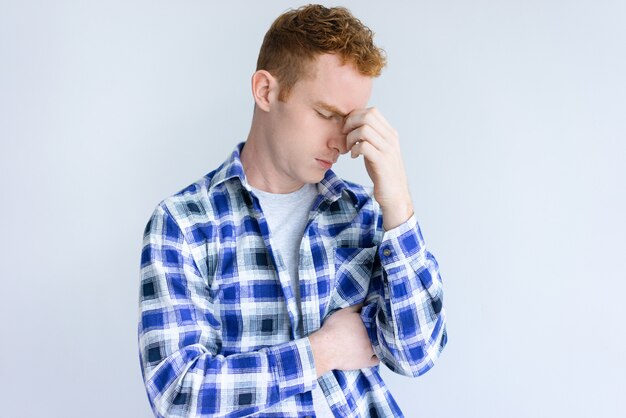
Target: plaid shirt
<point x="218" y="332"/>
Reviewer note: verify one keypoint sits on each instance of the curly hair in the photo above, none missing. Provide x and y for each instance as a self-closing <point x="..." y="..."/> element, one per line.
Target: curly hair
<point x="298" y="36"/>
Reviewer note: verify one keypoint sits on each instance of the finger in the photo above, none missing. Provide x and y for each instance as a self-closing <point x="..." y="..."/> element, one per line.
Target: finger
<point x="374" y="361"/>
<point x="372" y="117"/>
<point x="365" y="149"/>
<point x="356" y="308"/>
<point x="365" y="133"/>
<point x="353" y="120"/>
<point x="383" y="122"/>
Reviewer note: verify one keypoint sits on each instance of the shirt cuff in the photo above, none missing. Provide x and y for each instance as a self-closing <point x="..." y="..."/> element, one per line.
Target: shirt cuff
<point x="402" y="242"/>
<point x="294" y="367"/>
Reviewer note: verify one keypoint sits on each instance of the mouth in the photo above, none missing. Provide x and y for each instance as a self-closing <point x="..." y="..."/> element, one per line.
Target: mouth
<point x="325" y="164"/>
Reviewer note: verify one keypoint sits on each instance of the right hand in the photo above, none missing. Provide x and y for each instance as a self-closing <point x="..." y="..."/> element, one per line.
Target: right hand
<point x="342" y="342"/>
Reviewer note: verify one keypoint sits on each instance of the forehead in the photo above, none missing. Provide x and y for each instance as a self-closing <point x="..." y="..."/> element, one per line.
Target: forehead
<point x="335" y="84"/>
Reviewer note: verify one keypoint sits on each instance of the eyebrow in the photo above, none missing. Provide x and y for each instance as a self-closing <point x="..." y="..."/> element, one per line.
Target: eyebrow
<point x="331" y="109"/>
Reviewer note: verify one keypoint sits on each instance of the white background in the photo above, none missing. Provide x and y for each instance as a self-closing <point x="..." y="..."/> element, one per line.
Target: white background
<point x="512" y="121"/>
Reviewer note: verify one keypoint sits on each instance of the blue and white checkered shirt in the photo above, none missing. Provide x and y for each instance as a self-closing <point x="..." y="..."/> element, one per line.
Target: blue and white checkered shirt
<point x="218" y="331"/>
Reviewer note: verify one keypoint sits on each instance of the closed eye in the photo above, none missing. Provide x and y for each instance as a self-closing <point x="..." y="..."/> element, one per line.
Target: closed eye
<point x="327" y="117"/>
<point x="333" y="116"/>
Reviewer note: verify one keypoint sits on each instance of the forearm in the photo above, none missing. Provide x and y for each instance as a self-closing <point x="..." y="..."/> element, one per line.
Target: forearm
<point x="404" y="312"/>
<point x="192" y="382"/>
<point x="408" y="340"/>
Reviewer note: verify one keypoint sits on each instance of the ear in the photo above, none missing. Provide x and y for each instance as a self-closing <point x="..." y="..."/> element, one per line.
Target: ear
<point x="264" y="89"/>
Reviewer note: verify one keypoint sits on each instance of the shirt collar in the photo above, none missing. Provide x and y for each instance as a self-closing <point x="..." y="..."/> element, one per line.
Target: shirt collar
<point x="331" y="187"/>
<point x="231" y="169"/>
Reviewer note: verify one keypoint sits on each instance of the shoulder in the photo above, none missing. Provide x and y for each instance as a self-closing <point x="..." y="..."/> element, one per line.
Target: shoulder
<point x="189" y="209"/>
<point x="190" y="201"/>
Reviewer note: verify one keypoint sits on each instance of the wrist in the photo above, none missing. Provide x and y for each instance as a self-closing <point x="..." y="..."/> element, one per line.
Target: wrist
<point x="320" y="354"/>
<point x="397" y="214"/>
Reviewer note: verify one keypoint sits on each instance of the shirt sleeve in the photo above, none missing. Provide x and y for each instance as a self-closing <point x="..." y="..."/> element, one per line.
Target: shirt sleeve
<point x="183" y="372"/>
<point x="403" y="311"/>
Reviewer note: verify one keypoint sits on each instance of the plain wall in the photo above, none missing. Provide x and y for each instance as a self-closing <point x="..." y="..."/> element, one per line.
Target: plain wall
<point x="511" y="118"/>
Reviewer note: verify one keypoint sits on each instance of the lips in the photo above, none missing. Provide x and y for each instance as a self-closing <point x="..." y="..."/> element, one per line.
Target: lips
<point x="325" y="163"/>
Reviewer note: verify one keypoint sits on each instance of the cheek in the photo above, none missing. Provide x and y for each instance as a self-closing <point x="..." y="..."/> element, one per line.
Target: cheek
<point x="312" y="122"/>
<point x="312" y="131"/>
<point x="322" y="128"/>
<point x="307" y="128"/>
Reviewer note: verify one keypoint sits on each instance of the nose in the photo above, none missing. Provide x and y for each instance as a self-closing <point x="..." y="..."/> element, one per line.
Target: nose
<point x="337" y="141"/>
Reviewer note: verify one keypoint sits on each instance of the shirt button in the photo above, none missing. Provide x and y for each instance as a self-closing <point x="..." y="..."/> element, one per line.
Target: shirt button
<point x="386" y="252"/>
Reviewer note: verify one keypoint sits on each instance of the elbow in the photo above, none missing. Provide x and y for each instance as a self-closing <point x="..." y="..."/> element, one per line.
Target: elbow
<point x="159" y="388"/>
<point x="174" y="402"/>
<point x="420" y="358"/>
<point x="169" y="386"/>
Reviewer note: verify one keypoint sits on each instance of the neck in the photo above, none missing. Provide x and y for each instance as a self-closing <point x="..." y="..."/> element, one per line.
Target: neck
<point x="261" y="172"/>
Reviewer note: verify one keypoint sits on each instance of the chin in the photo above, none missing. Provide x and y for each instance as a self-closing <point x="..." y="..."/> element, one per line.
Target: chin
<point x="314" y="178"/>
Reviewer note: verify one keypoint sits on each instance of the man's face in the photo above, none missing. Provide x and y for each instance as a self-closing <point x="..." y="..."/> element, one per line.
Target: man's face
<point x="306" y="129"/>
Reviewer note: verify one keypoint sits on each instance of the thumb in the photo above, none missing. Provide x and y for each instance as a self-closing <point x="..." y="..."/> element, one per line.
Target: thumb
<point x="374" y="361"/>
<point x="356" y="308"/>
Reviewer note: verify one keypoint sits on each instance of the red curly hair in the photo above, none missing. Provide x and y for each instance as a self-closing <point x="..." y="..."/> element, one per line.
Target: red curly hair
<point x="298" y="36"/>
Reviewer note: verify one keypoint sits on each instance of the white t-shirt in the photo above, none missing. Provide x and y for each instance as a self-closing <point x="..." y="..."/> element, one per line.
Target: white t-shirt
<point x="287" y="215"/>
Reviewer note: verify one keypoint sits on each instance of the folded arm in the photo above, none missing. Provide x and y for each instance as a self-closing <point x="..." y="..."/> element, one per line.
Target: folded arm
<point x="183" y="373"/>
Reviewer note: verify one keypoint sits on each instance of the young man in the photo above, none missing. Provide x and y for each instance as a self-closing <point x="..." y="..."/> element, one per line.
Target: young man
<point x="271" y="287"/>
